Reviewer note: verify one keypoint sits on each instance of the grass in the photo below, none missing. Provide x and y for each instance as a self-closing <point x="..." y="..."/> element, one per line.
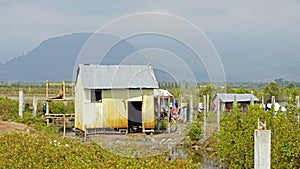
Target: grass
<point x="41" y="150"/>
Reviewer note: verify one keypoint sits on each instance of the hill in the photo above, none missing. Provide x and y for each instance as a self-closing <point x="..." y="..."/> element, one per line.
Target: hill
<point x="55" y="58"/>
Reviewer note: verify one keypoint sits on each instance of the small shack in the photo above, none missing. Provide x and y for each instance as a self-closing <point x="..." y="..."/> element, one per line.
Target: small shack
<point x="226" y="101"/>
<point x="118" y="97"/>
<point x="162" y="99"/>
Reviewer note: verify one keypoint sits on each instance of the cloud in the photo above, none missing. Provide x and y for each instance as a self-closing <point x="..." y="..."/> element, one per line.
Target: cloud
<point x="264" y="28"/>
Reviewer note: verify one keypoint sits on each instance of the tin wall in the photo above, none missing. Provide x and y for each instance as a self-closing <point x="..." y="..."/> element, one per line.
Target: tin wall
<point x="112" y="112"/>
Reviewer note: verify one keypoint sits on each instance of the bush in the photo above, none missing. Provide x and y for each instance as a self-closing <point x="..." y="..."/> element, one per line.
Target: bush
<point x="195" y="131"/>
<point x="9" y="109"/>
<point x="59" y="107"/>
<point x="236" y="137"/>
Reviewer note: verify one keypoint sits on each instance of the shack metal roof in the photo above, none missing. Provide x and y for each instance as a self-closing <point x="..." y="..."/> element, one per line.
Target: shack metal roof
<point x="162" y="93"/>
<point x="117" y="76"/>
<point x="229" y="97"/>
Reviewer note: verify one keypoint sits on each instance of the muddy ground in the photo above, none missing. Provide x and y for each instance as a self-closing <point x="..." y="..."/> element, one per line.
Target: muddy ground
<point x="7" y="126"/>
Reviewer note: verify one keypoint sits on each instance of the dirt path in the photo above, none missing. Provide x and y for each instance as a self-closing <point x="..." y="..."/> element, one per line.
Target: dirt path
<point x="6" y="126"/>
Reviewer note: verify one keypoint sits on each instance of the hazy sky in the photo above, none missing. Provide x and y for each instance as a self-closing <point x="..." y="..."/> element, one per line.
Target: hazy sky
<point x="251" y="29"/>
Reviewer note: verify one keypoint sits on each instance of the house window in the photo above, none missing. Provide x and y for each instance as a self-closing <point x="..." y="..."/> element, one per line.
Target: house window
<point x="96" y="95"/>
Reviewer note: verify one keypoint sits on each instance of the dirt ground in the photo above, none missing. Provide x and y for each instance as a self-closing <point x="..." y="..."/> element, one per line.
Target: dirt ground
<point x="6" y="126"/>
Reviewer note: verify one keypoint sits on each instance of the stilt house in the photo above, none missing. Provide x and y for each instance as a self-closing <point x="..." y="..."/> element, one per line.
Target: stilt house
<point x="114" y="97"/>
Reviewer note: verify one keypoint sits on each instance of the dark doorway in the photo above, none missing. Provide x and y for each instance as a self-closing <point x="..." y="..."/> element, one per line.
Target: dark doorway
<point x="135" y="117"/>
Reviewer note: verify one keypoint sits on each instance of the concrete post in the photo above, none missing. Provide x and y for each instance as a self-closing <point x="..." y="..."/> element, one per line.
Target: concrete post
<point x="273" y="103"/>
<point x="273" y="100"/>
<point x="21" y="103"/>
<point x="235" y="101"/>
<point x="262" y="149"/>
<point x="34" y="104"/>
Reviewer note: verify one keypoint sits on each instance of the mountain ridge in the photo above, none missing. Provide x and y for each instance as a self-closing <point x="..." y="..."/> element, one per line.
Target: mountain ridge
<point x="54" y="59"/>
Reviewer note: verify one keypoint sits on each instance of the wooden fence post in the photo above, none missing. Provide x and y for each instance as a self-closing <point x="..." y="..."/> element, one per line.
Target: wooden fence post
<point x="64" y="116"/>
<point x="169" y="114"/>
<point x="47" y="113"/>
<point x="191" y="109"/>
<point x="218" y="113"/>
<point x="204" y="117"/>
<point x="158" y="110"/>
<point x="207" y="103"/>
<point x="297" y="105"/>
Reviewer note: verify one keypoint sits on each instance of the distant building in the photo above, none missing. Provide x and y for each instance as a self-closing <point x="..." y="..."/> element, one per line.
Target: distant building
<point x="114" y="97"/>
<point x="226" y="101"/>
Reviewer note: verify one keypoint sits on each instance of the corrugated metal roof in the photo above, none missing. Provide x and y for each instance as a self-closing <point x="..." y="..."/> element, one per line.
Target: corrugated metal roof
<point x="229" y="97"/>
<point x="117" y="76"/>
<point x="162" y="93"/>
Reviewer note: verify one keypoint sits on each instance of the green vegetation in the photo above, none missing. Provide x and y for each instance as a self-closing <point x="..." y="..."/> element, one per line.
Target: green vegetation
<point x="195" y="132"/>
<point x="234" y="144"/>
<point x="236" y="137"/>
<point x="45" y="149"/>
<point x="206" y="90"/>
<point x="61" y="107"/>
<point x="40" y="150"/>
<point x="8" y="108"/>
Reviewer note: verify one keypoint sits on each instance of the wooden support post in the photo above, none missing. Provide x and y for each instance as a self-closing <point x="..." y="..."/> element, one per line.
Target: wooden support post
<point x="85" y="132"/>
<point x="191" y="109"/>
<point x="297" y="105"/>
<point x="64" y="116"/>
<point x="262" y="102"/>
<point x="158" y="111"/>
<point x="169" y="114"/>
<point x="47" y="112"/>
<point x="47" y="89"/>
<point x="204" y="117"/>
<point x="207" y="103"/>
<point x="63" y="89"/>
<point x="218" y="113"/>
<point x="21" y="103"/>
<point x="180" y="101"/>
<point x="143" y="115"/>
